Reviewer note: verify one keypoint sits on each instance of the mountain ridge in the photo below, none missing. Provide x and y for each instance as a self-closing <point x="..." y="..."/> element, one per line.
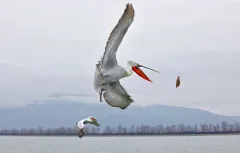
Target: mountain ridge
<point x="57" y="113"/>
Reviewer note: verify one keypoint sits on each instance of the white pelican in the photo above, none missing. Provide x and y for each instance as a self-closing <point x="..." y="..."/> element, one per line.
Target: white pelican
<point x="108" y="72"/>
<point x="178" y="81"/>
<point x="80" y="125"/>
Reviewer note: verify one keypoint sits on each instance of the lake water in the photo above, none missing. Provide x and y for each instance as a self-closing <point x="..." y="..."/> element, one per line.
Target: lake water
<point x="163" y="144"/>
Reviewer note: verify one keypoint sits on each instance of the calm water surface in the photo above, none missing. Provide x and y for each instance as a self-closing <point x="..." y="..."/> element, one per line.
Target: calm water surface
<point x="171" y="144"/>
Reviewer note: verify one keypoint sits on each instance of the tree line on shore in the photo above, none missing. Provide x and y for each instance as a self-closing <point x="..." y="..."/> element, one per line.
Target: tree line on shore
<point x="180" y="129"/>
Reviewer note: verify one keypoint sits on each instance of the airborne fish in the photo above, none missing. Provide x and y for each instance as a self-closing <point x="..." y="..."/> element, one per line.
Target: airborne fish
<point x="178" y="81"/>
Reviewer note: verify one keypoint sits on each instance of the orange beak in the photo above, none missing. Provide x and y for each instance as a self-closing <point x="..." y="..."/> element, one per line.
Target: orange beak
<point x="137" y="70"/>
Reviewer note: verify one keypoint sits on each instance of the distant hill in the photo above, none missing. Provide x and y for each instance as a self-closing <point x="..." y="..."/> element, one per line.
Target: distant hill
<point x="57" y="113"/>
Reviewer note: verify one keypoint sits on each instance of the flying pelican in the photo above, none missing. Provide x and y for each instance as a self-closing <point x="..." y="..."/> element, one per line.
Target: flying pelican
<point x="108" y="72"/>
<point x="178" y="81"/>
<point x="80" y="125"/>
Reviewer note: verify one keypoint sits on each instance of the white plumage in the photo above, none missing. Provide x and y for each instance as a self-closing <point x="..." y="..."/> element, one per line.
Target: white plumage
<point x="108" y="72"/>
<point x="80" y="125"/>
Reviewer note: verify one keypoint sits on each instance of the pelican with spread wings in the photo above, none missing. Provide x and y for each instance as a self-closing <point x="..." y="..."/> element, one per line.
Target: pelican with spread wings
<point x="108" y="72"/>
<point x="80" y="125"/>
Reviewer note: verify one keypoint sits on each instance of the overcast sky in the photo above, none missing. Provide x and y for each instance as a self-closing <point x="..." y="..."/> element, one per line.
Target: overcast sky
<point x="49" y="50"/>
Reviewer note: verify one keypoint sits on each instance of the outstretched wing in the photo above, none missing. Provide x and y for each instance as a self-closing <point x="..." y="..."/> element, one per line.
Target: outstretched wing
<point x="116" y="96"/>
<point x="94" y="122"/>
<point x="97" y="76"/>
<point x="116" y="37"/>
<point x="91" y="121"/>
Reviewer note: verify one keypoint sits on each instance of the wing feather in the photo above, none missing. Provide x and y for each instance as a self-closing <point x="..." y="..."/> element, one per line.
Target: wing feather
<point x="90" y="121"/>
<point x="116" y="96"/>
<point x="95" y="123"/>
<point x="116" y="37"/>
<point x="97" y="76"/>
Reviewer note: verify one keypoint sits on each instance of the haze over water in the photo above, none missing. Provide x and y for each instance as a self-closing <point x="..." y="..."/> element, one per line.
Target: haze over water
<point x="168" y="144"/>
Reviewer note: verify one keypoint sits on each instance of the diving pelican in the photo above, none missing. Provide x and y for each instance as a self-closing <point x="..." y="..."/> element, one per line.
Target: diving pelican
<point x="80" y="125"/>
<point x="108" y="72"/>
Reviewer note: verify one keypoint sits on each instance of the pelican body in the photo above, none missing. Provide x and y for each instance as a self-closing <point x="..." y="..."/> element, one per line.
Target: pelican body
<point x="108" y="72"/>
<point x="80" y="125"/>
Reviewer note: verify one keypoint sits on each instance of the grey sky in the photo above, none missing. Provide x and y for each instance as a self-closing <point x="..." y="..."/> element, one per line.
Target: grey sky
<point x="53" y="46"/>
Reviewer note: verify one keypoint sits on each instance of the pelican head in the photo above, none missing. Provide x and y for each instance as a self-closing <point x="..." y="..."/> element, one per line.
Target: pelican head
<point x="136" y="68"/>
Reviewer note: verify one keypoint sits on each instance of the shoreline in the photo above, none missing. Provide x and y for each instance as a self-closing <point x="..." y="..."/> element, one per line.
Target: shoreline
<point x="126" y="135"/>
